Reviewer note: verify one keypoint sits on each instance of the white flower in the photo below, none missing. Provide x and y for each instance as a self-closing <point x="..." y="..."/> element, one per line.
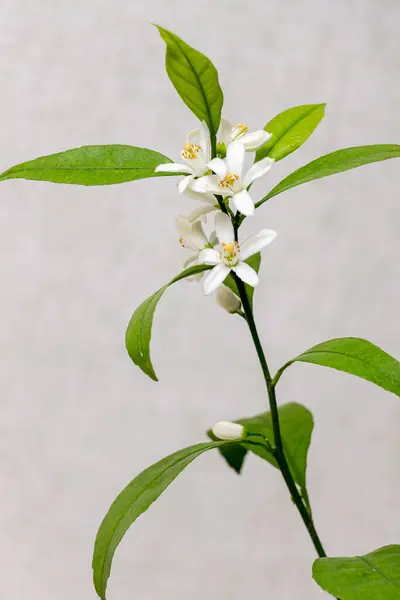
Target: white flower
<point x="229" y="179"/>
<point x="231" y="257"/>
<point x="192" y="237"/>
<point x="233" y="134"/>
<point x="196" y="157"/>
<point x="226" y="430"/>
<point x="228" y="300"/>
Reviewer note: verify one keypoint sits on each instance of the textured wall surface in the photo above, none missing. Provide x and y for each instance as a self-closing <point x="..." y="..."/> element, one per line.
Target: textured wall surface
<point x="78" y="420"/>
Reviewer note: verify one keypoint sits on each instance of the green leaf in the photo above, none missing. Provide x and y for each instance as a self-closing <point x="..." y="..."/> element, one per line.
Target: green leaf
<point x="355" y="356"/>
<point x="91" y="165"/>
<point x="296" y="428"/>
<point x="254" y="262"/>
<point x="195" y="79"/>
<point x="374" y="576"/>
<point x="335" y="162"/>
<point x="290" y="129"/>
<point x="134" y="500"/>
<point x="138" y="333"/>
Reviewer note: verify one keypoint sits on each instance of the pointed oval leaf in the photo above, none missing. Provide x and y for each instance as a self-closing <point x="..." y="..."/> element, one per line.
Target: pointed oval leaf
<point x="335" y="162"/>
<point x="138" y="333"/>
<point x="290" y="129"/>
<point x="134" y="500"/>
<point x="195" y="79"/>
<point x="355" y="356"/>
<point x="296" y="428"/>
<point x="374" y="576"/>
<point x="91" y="165"/>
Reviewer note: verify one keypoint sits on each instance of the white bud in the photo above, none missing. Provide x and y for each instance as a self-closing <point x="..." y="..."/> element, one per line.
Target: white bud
<point x="227" y="299"/>
<point x="226" y="430"/>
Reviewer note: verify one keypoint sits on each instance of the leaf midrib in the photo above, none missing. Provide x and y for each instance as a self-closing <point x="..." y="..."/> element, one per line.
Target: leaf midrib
<point x="153" y="480"/>
<point x="292" y="126"/>
<point x="377" y="570"/>
<point x="200" y="85"/>
<point x="368" y="364"/>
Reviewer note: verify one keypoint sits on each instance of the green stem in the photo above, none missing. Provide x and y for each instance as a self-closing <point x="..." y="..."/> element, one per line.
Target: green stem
<point x="279" y="453"/>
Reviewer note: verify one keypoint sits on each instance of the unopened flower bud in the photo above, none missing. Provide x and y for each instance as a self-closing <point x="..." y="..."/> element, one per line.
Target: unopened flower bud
<point x="227" y="299"/>
<point x="226" y="430"/>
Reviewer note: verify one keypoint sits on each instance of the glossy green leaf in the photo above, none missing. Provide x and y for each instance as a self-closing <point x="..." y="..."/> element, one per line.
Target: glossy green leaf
<point x="290" y="129"/>
<point x="296" y="428"/>
<point x="91" y="165"/>
<point x="195" y="79"/>
<point x="138" y="333"/>
<point x="254" y="262"/>
<point x="355" y="356"/>
<point x="336" y="162"/>
<point x="134" y="500"/>
<point x="374" y="576"/>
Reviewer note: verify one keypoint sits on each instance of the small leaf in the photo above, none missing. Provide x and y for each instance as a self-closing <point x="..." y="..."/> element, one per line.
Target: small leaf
<point x="336" y="162"/>
<point x="374" y="576"/>
<point x="296" y="429"/>
<point x="254" y="262"/>
<point x="290" y="129"/>
<point x="355" y="356"/>
<point x="134" y="500"/>
<point x="91" y="165"/>
<point x="138" y="333"/>
<point x="195" y="79"/>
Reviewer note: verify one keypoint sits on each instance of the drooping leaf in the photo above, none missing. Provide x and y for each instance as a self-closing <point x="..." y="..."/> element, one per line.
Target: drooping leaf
<point x="134" y="500"/>
<point x="296" y="428"/>
<point x="91" y="165"/>
<point x="290" y="129"/>
<point x="195" y="79"/>
<point x="138" y="333"/>
<point x="335" y="162"/>
<point x="374" y="576"/>
<point x="254" y="262"/>
<point x="355" y="356"/>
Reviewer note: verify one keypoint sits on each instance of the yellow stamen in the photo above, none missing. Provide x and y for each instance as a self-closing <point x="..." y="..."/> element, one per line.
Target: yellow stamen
<point x="241" y="128"/>
<point x="229" y="180"/>
<point x="190" y="151"/>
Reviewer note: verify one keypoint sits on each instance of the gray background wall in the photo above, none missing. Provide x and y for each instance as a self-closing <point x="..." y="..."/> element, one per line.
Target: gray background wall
<point x="78" y="420"/>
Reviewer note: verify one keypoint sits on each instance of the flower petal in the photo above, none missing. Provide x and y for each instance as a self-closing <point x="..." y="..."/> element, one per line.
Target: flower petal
<point x="235" y="158"/>
<point x="224" y="228"/>
<point x="225" y="132"/>
<point x="246" y="273"/>
<point x="256" y="139"/>
<point x="193" y="136"/>
<point x="193" y="258"/>
<point x="184" y="184"/>
<point x="200" y="213"/>
<point x="173" y="168"/>
<point x="219" y="167"/>
<point x="257" y="242"/>
<point x="209" y="256"/>
<point x="206" y="185"/>
<point x="259" y="169"/>
<point x="205" y="141"/>
<point x="214" y="279"/>
<point x="198" y="237"/>
<point x="202" y="196"/>
<point x="243" y="202"/>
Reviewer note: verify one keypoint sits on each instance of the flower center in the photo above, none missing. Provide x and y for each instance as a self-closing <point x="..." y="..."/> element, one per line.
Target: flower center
<point x="239" y="130"/>
<point x="190" y="151"/>
<point x="229" y="181"/>
<point x="230" y="254"/>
